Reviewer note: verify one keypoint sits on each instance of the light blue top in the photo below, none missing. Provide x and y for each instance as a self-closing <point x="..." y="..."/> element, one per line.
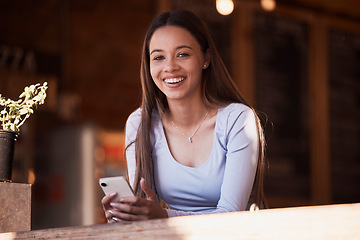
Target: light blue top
<point x="222" y="184"/>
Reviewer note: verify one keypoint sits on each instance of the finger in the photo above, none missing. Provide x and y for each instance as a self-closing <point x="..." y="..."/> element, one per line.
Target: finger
<point x="109" y="214"/>
<point x="147" y="190"/>
<point x="112" y="216"/>
<point x="128" y="208"/>
<point x="123" y="216"/>
<point x="110" y="220"/>
<point x="114" y="220"/>
<point x="131" y="200"/>
<point x="108" y="217"/>
<point x="105" y="201"/>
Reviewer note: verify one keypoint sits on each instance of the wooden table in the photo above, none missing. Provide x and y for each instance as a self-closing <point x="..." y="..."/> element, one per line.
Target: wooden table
<point x="320" y="222"/>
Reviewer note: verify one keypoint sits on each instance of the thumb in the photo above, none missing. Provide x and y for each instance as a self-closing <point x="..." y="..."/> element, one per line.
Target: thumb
<point x="150" y="195"/>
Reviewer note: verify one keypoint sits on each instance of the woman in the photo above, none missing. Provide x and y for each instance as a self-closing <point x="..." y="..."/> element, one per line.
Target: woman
<point x="194" y="143"/>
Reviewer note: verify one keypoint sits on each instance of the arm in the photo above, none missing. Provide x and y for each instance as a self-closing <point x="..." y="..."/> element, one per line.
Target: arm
<point x="134" y="208"/>
<point x="132" y="125"/>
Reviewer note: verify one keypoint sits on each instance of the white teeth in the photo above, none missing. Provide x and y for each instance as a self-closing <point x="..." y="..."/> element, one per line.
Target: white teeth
<point x="173" y="80"/>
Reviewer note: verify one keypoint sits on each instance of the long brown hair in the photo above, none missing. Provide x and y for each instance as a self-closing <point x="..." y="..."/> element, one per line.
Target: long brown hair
<point x="218" y="89"/>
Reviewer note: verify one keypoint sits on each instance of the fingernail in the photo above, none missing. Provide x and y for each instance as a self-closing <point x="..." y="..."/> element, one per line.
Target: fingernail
<point x="113" y="194"/>
<point x="111" y="212"/>
<point x="113" y="205"/>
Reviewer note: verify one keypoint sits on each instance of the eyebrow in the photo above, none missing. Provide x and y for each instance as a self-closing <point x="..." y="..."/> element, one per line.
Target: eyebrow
<point x="179" y="47"/>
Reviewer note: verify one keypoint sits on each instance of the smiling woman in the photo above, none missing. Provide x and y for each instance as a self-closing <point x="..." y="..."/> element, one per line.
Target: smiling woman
<point x="194" y="142"/>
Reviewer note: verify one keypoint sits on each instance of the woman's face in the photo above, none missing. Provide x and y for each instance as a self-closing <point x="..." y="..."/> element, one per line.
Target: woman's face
<point x="176" y="63"/>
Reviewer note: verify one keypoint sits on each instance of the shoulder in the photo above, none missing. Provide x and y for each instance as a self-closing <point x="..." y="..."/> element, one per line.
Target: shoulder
<point x="134" y="116"/>
<point x="134" y="119"/>
<point x="236" y="117"/>
<point x="237" y="121"/>
<point x="132" y="124"/>
<point x="233" y="111"/>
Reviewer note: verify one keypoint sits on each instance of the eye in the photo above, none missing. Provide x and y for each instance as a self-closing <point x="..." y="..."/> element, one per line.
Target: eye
<point x="158" y="58"/>
<point x="183" y="54"/>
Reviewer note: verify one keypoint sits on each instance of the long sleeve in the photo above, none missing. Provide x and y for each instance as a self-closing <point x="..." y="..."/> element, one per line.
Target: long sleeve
<point x="241" y="160"/>
<point x="132" y="125"/>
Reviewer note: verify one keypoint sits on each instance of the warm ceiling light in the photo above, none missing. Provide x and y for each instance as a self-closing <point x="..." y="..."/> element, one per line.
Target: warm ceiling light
<point x="224" y="7"/>
<point x="268" y="5"/>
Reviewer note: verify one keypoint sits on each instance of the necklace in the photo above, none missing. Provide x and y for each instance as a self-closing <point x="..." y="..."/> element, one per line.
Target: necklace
<point x="182" y="132"/>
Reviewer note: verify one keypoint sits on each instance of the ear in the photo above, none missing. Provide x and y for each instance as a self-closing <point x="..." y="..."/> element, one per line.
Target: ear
<point x="207" y="59"/>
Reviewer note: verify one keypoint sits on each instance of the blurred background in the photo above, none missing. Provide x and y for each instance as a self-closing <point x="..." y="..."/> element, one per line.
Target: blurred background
<point x="297" y="62"/>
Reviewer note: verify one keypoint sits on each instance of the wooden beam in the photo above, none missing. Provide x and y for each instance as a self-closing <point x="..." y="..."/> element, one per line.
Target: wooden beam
<point x="243" y="51"/>
<point x="321" y="222"/>
<point x="163" y="6"/>
<point x="319" y="114"/>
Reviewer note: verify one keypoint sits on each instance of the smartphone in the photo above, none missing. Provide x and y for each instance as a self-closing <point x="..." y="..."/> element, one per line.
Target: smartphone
<point x="116" y="184"/>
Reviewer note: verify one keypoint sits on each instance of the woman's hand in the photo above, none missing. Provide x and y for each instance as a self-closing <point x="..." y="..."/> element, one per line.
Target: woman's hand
<point x="108" y="209"/>
<point x="134" y="208"/>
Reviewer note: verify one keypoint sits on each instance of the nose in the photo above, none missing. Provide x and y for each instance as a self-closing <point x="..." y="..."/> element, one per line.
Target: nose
<point x="171" y="66"/>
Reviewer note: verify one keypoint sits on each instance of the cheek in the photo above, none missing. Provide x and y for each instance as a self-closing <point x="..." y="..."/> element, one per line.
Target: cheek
<point x="196" y="70"/>
<point x="154" y="72"/>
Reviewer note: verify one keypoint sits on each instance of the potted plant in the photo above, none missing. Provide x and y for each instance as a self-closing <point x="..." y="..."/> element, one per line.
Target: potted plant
<point x="12" y="117"/>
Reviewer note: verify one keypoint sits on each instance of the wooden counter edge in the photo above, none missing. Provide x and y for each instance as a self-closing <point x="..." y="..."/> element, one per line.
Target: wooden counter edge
<point x="316" y="222"/>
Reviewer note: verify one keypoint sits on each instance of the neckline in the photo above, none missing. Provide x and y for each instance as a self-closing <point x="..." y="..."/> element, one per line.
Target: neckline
<point x="163" y="137"/>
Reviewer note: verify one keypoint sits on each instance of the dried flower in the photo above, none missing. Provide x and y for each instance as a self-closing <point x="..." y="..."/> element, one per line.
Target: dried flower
<point x="15" y="113"/>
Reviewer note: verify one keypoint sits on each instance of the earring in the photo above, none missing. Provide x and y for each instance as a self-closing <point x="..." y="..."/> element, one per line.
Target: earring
<point x="205" y="66"/>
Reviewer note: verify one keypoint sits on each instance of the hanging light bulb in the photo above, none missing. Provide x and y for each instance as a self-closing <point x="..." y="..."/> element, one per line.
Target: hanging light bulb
<point x="268" y="5"/>
<point x="224" y="7"/>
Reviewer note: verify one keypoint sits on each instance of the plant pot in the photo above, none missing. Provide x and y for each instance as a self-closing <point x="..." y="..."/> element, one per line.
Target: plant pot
<point x="7" y="146"/>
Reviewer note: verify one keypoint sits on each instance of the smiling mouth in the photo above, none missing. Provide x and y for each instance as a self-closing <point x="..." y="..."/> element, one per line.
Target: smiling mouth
<point x="174" y="80"/>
